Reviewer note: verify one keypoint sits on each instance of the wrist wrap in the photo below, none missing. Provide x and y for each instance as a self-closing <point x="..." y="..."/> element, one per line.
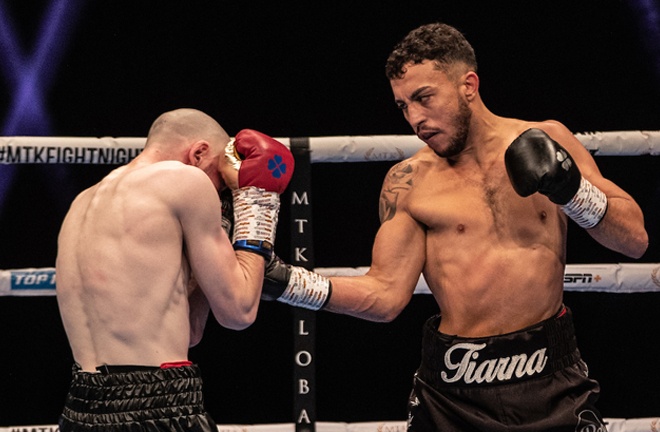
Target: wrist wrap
<point x="588" y="206"/>
<point x="255" y="219"/>
<point x="306" y="289"/>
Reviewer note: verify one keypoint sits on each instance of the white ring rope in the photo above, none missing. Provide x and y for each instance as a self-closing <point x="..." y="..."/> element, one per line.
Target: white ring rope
<point x="608" y="278"/>
<point x="109" y="150"/>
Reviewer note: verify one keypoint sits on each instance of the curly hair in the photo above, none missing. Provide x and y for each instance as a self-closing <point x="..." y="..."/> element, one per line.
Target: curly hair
<point x="438" y="42"/>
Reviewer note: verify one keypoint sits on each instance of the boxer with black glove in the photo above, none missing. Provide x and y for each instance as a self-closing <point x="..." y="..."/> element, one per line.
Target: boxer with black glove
<point x="537" y="163"/>
<point x="295" y="285"/>
<point x="265" y="167"/>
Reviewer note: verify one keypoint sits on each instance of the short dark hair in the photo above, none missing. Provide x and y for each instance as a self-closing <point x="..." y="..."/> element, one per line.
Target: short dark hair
<point x="437" y="42"/>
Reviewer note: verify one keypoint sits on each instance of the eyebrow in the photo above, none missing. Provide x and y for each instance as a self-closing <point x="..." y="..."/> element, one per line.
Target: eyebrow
<point x="416" y="93"/>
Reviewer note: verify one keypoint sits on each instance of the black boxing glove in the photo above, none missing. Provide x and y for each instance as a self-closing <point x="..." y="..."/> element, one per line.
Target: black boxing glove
<point x="295" y="285"/>
<point x="537" y="163"/>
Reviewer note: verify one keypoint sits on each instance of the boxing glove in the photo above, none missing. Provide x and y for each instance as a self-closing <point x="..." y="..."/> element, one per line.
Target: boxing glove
<point x="295" y="285"/>
<point x="265" y="167"/>
<point x="537" y="163"/>
<point x="261" y="161"/>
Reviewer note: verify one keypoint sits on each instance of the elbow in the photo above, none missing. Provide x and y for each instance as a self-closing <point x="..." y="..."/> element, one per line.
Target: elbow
<point x="195" y="339"/>
<point x="385" y="312"/>
<point x="239" y="325"/>
<point x="638" y="237"/>
<point x="393" y="312"/>
<point x="239" y="320"/>
<point x="387" y="316"/>
<point x="388" y="313"/>
<point x="246" y="319"/>
<point x="236" y="324"/>
<point x="638" y="245"/>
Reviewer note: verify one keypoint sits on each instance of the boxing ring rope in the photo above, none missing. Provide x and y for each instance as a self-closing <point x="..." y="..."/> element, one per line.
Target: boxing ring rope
<point x="109" y="150"/>
<point x="608" y="278"/>
<point x="611" y="278"/>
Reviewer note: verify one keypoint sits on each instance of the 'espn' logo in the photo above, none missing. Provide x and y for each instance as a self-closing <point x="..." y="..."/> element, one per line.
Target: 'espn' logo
<point x="580" y="278"/>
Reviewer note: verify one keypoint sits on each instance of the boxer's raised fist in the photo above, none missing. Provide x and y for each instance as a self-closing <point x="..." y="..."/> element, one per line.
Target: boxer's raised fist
<point x="537" y="163"/>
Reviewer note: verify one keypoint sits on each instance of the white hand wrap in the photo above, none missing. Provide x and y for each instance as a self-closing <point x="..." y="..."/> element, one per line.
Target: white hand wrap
<point x="255" y="219"/>
<point x="588" y="206"/>
<point x="306" y="289"/>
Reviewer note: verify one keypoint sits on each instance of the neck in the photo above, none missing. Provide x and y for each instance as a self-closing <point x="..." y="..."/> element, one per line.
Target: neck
<point x="156" y="154"/>
<point x="482" y="143"/>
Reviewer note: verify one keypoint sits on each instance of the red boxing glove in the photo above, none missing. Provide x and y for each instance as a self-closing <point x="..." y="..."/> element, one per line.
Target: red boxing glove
<point x="261" y="161"/>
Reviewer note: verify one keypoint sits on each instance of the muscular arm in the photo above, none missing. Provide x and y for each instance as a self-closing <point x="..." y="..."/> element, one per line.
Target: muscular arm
<point x="397" y="257"/>
<point x="622" y="228"/>
<point x="231" y="281"/>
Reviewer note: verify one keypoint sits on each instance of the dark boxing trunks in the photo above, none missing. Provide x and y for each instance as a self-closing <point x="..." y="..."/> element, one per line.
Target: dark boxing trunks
<point x="530" y="380"/>
<point x="136" y="398"/>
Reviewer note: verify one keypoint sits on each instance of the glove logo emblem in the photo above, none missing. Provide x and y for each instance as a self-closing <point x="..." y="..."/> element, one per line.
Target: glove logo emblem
<point x="564" y="159"/>
<point x="276" y="167"/>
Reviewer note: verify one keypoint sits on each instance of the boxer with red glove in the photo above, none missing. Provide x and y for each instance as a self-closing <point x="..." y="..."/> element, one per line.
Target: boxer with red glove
<point x="295" y="285"/>
<point x="537" y="163"/>
<point x="265" y="167"/>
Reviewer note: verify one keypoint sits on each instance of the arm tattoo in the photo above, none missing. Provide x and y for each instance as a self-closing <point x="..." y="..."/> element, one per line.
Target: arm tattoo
<point x="399" y="179"/>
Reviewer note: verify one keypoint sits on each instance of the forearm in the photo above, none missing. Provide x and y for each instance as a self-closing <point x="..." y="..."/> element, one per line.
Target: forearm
<point x="252" y="268"/>
<point x="360" y="296"/>
<point x="235" y="306"/>
<point x="622" y="228"/>
<point x="366" y="298"/>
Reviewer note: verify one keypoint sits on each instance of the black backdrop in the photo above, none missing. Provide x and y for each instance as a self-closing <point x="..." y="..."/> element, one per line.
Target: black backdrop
<point x="295" y="69"/>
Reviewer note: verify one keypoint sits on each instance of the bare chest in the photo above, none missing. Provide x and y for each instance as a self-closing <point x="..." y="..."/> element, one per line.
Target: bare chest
<point x="479" y="203"/>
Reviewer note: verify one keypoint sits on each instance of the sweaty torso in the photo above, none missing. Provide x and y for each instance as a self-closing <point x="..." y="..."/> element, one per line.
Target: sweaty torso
<point x="122" y="275"/>
<point x="494" y="260"/>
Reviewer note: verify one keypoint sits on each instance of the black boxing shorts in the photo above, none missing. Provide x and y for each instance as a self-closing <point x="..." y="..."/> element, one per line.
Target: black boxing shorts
<point x="136" y="398"/>
<point x="527" y="381"/>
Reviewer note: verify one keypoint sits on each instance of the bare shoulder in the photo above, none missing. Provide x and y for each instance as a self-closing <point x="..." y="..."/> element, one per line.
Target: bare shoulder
<point x="399" y="181"/>
<point x="178" y="186"/>
<point x="188" y="190"/>
<point x="173" y="177"/>
<point x="558" y="132"/>
<point x="173" y="170"/>
<point x="575" y="148"/>
<point x="406" y="170"/>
